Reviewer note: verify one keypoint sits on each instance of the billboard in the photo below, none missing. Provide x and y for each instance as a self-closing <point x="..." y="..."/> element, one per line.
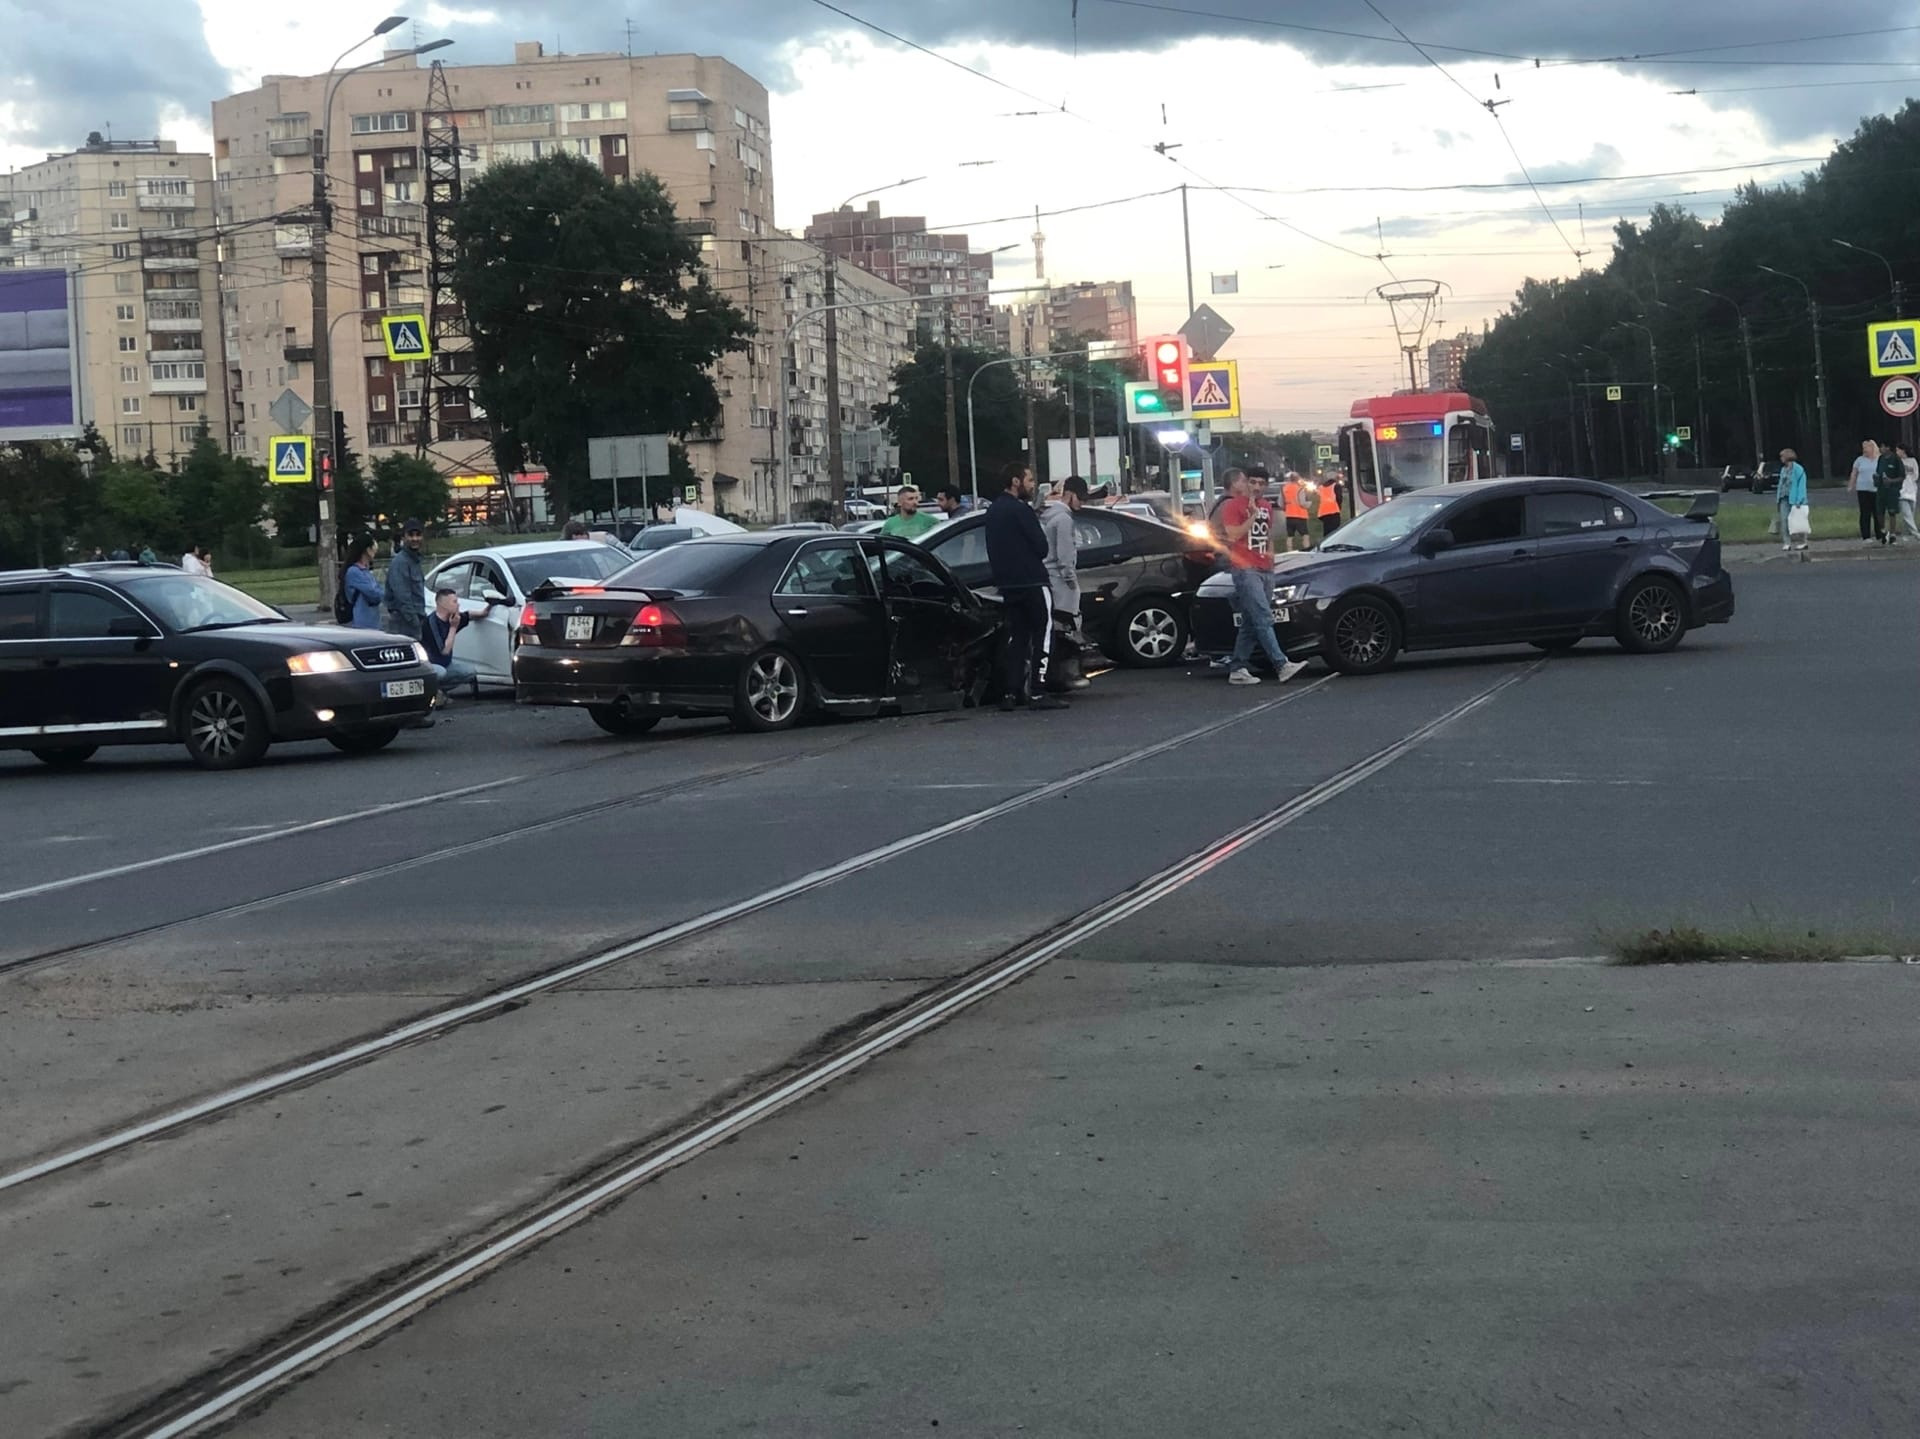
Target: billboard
<point x="39" y="356"/>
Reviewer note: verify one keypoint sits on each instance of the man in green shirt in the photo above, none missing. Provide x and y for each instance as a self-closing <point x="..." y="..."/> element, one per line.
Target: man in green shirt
<point x="907" y="522"/>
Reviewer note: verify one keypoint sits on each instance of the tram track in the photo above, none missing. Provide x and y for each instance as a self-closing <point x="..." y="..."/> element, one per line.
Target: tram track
<point x="243" y="1384"/>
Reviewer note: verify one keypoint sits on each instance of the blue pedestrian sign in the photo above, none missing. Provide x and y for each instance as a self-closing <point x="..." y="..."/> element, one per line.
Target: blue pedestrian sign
<point x="406" y="337"/>
<point x="1892" y="349"/>
<point x="290" y="459"/>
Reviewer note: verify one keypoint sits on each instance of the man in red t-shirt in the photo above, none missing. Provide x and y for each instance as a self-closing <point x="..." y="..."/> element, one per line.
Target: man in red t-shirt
<point x="1247" y="519"/>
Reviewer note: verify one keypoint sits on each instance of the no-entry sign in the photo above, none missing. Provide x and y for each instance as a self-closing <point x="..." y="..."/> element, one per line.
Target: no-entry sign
<point x="1900" y="396"/>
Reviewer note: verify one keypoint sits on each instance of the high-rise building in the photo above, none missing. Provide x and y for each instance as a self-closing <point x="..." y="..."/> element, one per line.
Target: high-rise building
<point x="943" y="269"/>
<point x="1446" y="358"/>
<point x="697" y="122"/>
<point x="1104" y="310"/>
<point x="133" y="221"/>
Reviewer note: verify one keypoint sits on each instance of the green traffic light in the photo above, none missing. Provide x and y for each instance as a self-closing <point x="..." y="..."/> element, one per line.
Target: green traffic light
<point x="1150" y="400"/>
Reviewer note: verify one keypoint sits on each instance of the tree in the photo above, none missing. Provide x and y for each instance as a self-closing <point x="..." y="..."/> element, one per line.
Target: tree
<point x="916" y="417"/>
<point x="139" y="508"/>
<point x="406" y="487"/>
<point x="220" y="499"/>
<point x="47" y="495"/>
<point x="590" y="310"/>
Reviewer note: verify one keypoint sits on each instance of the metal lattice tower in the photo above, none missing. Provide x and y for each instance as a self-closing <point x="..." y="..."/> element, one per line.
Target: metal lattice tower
<point x="451" y="367"/>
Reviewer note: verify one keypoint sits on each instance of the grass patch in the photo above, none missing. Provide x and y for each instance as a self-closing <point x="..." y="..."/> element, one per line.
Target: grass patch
<point x="1690" y="944"/>
<point x="1747" y="524"/>
<point x="275" y="587"/>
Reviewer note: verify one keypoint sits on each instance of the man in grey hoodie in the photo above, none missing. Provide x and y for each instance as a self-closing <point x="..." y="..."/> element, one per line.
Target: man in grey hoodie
<point x="1062" y="669"/>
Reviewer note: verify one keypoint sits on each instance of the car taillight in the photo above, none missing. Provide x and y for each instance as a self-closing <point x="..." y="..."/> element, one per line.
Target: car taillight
<point x="528" y="619"/>
<point x="655" y="624"/>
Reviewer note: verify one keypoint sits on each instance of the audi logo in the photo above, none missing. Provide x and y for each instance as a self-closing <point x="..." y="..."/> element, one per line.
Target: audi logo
<point x="394" y="656"/>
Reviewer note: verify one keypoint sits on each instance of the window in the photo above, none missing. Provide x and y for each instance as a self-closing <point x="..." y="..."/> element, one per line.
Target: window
<point x="522" y="114"/>
<point x="366" y="164"/>
<point x="407" y="399"/>
<point x="83" y="614"/>
<point x="124" y="313"/>
<point x="129" y="404"/>
<point x="19" y="614"/>
<point x="165" y="185"/>
<point x="132" y="437"/>
<point x="376" y="368"/>
<point x="116" y="189"/>
<point x="703" y="140"/>
<point x="681" y="567"/>
<point x="595" y="110"/>
<point x="123" y="284"/>
<point x="1096" y="532"/>
<point x="401" y="191"/>
<point x="1488" y="522"/>
<point x="186" y="404"/>
<point x="386" y="122"/>
<point x="129" y="374"/>
<point x="122" y="251"/>
<point x="185" y="370"/>
<point x="118" y="220"/>
<point x="369" y="264"/>
<point x="908" y="576"/>
<point x="1567" y="512"/>
<point x="825" y="569"/>
<point x="379" y="404"/>
<point x="616" y="144"/>
<point x="128" y="344"/>
<point x="366" y="196"/>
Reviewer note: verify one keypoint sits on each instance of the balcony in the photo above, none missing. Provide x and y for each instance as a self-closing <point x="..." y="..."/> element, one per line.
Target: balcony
<point x="182" y="201"/>
<point x="179" y="356"/>
<point x="299" y="145"/>
<point x="688" y="122"/>
<point x="297" y="354"/>
<point x="196" y="386"/>
<point x="163" y="263"/>
<point x="173" y="325"/>
<point x="537" y="130"/>
<point x="183" y="232"/>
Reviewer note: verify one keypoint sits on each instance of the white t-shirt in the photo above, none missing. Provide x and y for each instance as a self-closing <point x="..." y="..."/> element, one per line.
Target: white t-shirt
<point x="1910" y="490"/>
<point x="190" y="562"/>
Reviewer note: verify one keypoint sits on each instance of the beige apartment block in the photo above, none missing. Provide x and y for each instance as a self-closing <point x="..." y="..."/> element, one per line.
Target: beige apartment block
<point x="697" y="122"/>
<point x="133" y="221"/>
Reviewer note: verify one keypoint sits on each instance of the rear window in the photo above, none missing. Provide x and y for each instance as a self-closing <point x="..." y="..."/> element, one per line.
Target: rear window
<point x="19" y="614"/>
<point x="583" y="564"/>
<point x="1569" y="512"/>
<point x="696" y="565"/>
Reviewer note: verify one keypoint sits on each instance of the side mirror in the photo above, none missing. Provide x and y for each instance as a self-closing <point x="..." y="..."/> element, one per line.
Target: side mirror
<point x="493" y="597"/>
<point x="129" y="627"/>
<point x="1435" y="541"/>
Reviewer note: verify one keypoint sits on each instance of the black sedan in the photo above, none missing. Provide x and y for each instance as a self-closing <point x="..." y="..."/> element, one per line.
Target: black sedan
<point x="122" y="654"/>
<point x="1540" y="561"/>
<point x="1137" y="578"/>
<point x="760" y="628"/>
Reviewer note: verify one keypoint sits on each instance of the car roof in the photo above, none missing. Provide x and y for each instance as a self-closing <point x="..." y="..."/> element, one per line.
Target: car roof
<point x="532" y="547"/>
<point x="91" y="570"/>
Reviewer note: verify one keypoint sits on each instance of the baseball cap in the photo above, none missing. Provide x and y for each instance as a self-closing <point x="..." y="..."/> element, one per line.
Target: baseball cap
<point x="410" y="526"/>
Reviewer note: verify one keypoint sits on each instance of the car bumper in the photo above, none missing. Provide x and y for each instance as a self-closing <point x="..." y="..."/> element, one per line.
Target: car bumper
<point x="315" y="706"/>
<point x="1214" y="631"/>
<point x="637" y="681"/>
<point x="1713" y="599"/>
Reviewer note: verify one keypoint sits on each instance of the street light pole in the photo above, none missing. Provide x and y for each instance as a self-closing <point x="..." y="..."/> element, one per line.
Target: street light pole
<point x="1753" y="385"/>
<point x="973" y="450"/>
<point x="1899" y="304"/>
<point x="1653" y="361"/>
<point x="1819" y="369"/>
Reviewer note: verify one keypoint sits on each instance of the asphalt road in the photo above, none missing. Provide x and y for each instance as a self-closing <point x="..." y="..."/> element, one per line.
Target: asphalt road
<point x="1061" y="1224"/>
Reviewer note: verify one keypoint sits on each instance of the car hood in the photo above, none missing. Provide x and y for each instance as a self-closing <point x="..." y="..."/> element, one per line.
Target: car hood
<point x="296" y="639"/>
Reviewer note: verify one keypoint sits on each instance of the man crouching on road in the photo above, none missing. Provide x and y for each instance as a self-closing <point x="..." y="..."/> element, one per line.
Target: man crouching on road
<point x="1248" y="522"/>
<point x="1017" y="562"/>
<point x="443" y="627"/>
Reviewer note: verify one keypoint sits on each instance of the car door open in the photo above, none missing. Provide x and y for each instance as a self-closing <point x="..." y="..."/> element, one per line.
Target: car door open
<point x="927" y="625"/>
<point x="829" y="607"/>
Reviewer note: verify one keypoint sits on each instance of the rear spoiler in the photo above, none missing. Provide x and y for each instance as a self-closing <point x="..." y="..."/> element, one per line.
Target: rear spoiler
<point x="556" y="586"/>
<point x="1706" y="503"/>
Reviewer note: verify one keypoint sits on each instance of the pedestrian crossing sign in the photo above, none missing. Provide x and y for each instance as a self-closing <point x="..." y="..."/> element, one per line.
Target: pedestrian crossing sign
<point x="406" y="337"/>
<point x="292" y="459"/>
<point x="1213" y="390"/>
<point x="1891" y="347"/>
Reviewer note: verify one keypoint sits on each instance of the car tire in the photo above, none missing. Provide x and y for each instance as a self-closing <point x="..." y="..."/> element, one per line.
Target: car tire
<point x="1362" y="636"/>
<point x="1556" y="647"/>
<point x="770" y="692"/>
<point x="615" y="720"/>
<point x="1652" y="616"/>
<point x="364" y="741"/>
<point x="1149" y="633"/>
<point x="66" y="756"/>
<point x="225" y="726"/>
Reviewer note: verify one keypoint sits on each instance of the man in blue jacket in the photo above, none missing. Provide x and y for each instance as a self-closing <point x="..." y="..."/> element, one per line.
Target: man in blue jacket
<point x="406" y="586"/>
<point x="1017" y="559"/>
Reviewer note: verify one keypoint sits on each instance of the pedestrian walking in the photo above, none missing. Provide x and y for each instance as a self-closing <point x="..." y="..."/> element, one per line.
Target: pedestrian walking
<point x="1248" y="523"/>
<point x="1888" y="477"/>
<point x="909" y="522"/>
<point x="1062" y="647"/>
<point x="1865" y="494"/>
<point x="1017" y="564"/>
<point x="1909" y="490"/>
<point x="406" y="587"/>
<point x="1790" y="494"/>
<point x="364" y="593"/>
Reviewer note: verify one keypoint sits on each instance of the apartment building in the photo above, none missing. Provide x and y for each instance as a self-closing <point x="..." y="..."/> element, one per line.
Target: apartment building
<point x="943" y="269"/>
<point x="1104" y="310"/>
<point x="697" y="122"/>
<point x="133" y="222"/>
<point x="1447" y="358"/>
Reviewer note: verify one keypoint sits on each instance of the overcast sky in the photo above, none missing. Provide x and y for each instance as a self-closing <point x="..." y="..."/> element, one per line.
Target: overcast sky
<point x="1311" y="142"/>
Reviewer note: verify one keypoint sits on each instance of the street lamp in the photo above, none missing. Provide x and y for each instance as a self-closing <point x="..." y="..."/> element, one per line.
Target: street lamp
<point x="1892" y="283"/>
<point x="327" y="532"/>
<point x="1653" y="361"/>
<point x="1753" y="386"/>
<point x="1819" y="366"/>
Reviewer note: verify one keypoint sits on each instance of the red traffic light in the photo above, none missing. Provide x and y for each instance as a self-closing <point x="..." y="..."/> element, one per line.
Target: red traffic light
<point x="1170" y="356"/>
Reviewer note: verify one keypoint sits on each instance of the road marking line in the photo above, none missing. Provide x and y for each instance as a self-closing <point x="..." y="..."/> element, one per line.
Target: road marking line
<point x="886" y="1035"/>
<point x="430" y="1024"/>
<point x="72" y="881"/>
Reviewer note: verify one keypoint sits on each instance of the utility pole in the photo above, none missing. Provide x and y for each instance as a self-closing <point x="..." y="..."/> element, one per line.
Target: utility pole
<point x="327" y="533"/>
<point x="1753" y="383"/>
<point x="1699" y="405"/>
<point x="1033" y="435"/>
<point x="836" y="443"/>
<point x="1586" y="393"/>
<point x="1819" y="367"/>
<point x="1073" y="420"/>
<point x="1186" y="231"/>
<point x="953" y="433"/>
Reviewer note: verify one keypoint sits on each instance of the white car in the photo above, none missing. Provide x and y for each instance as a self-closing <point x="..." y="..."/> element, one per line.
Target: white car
<point x="503" y="575"/>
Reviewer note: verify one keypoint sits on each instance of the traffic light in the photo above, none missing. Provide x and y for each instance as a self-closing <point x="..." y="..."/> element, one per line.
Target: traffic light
<point x="1167" y="359"/>
<point x="1673" y="440"/>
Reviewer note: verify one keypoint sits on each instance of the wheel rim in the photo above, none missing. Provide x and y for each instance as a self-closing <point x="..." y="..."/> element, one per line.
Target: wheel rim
<point x="773" y="688"/>
<point x="1361" y="635"/>
<point x="1153" y="633"/>
<point x="1654" y="614"/>
<point x="218" y="724"/>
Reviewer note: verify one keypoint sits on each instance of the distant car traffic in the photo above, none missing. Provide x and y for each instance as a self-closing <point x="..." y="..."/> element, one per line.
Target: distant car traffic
<point x="760" y="628"/>
<point x="1137" y="578"/>
<point x="504" y="575"/>
<point x="1539" y="561"/>
<point x="122" y="654"/>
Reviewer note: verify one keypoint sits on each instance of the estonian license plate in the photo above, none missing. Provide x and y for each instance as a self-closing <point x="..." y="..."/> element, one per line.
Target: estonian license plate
<point x="579" y="627"/>
<point x="1280" y="614"/>
<point x="402" y="689"/>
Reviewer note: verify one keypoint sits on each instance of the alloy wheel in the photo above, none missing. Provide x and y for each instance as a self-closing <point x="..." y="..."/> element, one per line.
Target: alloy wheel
<point x="1654" y="614"/>
<point x="1361" y="634"/>
<point x="218" y="724"/>
<point x="773" y="688"/>
<point x="1153" y="633"/>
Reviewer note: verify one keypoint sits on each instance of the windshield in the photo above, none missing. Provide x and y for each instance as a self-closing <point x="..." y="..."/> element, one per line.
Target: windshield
<point x="193" y="602"/>
<point x="1386" y="526"/>
<point x="581" y="564"/>
<point x="1411" y="461"/>
<point x="696" y="565"/>
<point x="659" y="538"/>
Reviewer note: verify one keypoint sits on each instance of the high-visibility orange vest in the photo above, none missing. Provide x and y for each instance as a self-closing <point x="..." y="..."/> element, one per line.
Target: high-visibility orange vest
<point x="1329" y="499"/>
<point x="1292" y="501"/>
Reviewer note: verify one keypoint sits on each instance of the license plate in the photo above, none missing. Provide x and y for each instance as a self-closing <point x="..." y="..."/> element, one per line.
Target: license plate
<point x="402" y="689"/>
<point x="1280" y="615"/>
<point x="579" y="627"/>
<point x="1236" y="619"/>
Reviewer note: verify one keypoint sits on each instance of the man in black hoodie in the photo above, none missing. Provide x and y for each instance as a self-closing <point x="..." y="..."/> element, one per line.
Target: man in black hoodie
<point x="1017" y="557"/>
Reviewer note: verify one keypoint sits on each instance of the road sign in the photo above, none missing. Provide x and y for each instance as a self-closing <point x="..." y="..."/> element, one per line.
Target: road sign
<point x="1213" y="390"/>
<point x="693" y="493"/>
<point x="1892" y="347"/>
<point x="626" y="457"/>
<point x="1206" y="332"/>
<point x="1900" y="397"/>
<point x="289" y="412"/>
<point x="1684" y="432"/>
<point x="1516" y="442"/>
<point x="291" y="459"/>
<point x="406" y="337"/>
<point x="1613" y="392"/>
<point x="1323" y="452"/>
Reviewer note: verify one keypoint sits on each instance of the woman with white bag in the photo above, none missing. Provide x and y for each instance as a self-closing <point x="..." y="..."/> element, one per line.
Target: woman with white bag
<point x="1790" y="494"/>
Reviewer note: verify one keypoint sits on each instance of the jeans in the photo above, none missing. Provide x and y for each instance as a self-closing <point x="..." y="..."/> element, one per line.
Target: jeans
<point x="455" y="675"/>
<point x="1906" y="518"/>
<point x="1026" y="635"/>
<point x="1869" y="514"/>
<point x="1253" y="602"/>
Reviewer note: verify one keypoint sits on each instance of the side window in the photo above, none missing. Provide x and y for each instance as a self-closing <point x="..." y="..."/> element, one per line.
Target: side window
<point x="1096" y="532"/>
<point x="1619" y="516"/>
<point x="486" y="577"/>
<point x="1567" y="512"/>
<point x="824" y="570"/>
<point x="83" y="614"/>
<point x="460" y="576"/>
<point x="967" y="549"/>
<point x="19" y="614"/>
<point x="1460" y="454"/>
<point x="910" y="577"/>
<point x="1489" y="522"/>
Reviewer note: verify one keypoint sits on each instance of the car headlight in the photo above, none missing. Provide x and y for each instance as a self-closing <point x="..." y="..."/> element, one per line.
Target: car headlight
<point x="1287" y="594"/>
<point x="420" y="655"/>
<point x="319" y="662"/>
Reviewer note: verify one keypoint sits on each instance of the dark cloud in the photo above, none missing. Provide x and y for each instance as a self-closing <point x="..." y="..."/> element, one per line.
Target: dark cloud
<point x="69" y="69"/>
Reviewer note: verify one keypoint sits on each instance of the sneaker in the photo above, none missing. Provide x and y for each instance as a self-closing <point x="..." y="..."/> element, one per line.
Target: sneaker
<point x="1289" y="670"/>
<point x="1049" y="702"/>
<point x="1006" y="704"/>
<point x="1080" y="682"/>
<point x="1223" y="663"/>
<point x="1243" y="677"/>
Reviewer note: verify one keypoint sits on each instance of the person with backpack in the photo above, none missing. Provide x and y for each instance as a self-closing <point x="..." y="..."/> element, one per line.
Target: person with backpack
<point x="358" y="600"/>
